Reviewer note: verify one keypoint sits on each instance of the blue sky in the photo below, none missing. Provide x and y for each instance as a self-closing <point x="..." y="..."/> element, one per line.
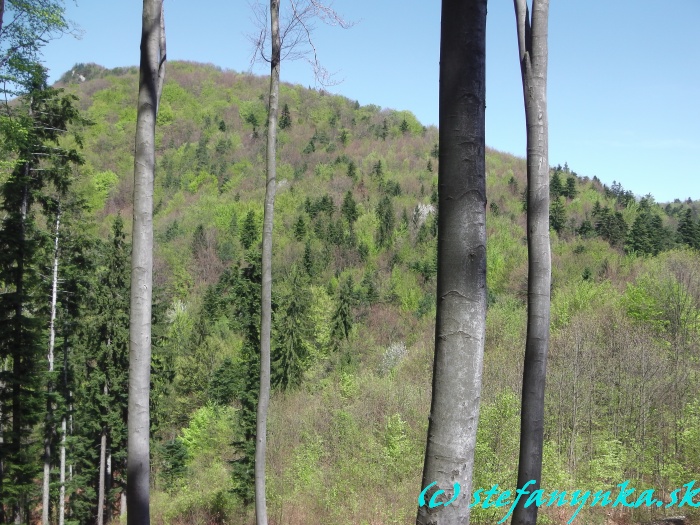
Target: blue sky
<point x="624" y="75"/>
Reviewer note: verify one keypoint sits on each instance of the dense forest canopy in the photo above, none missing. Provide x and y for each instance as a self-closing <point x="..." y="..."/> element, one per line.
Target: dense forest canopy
<point x="354" y="269"/>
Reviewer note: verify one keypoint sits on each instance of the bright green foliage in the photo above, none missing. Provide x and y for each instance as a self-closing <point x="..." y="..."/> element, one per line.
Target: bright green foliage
<point x="26" y="26"/>
<point x="347" y="446"/>
<point x="398" y="450"/>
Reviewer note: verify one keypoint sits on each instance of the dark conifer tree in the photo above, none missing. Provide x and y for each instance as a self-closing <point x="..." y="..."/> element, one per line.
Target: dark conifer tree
<point x="570" y="191"/>
<point x="300" y="229"/>
<point x="292" y="332"/>
<point x="385" y="214"/>
<point x="342" y="317"/>
<point x="555" y="186"/>
<point x="349" y="209"/>
<point x="249" y="232"/>
<point x="101" y="367"/>
<point x="285" y="118"/>
<point x="42" y="168"/>
<point x="557" y="215"/>
<point x="688" y="232"/>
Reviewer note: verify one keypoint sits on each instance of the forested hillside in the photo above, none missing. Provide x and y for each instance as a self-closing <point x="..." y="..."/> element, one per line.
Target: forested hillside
<point x="354" y="266"/>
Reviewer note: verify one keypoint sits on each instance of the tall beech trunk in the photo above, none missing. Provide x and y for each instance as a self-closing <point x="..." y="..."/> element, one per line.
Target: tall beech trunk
<point x="266" y="300"/>
<point x="532" y="45"/>
<point x="461" y="273"/>
<point x="49" y="430"/>
<point x="152" y="70"/>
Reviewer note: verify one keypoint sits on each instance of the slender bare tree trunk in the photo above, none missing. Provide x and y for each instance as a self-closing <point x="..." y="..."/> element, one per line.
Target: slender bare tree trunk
<point x="49" y="407"/>
<point x="152" y="70"/>
<point x="103" y="469"/>
<point x="532" y="45"/>
<point x="62" y="491"/>
<point x="266" y="306"/>
<point x="461" y="278"/>
<point x="108" y="485"/>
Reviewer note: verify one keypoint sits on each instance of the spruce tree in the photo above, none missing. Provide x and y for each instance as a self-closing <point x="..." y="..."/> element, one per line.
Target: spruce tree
<point x="285" y="118"/>
<point x="42" y="168"/>
<point x="688" y="231"/>
<point x="342" y="317"/>
<point x="555" y="186"/>
<point x="385" y="214"/>
<point x="102" y="365"/>
<point x="557" y="215"/>
<point x="570" y="191"/>
<point x="249" y="232"/>
<point x="293" y="331"/>
<point x="349" y="209"/>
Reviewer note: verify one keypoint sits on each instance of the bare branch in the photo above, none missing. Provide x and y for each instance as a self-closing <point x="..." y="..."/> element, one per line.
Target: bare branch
<point x="163" y="55"/>
<point x="521" y="20"/>
<point x="296" y="30"/>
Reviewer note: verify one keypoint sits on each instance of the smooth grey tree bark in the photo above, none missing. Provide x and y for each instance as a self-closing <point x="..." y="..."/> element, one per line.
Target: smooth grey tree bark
<point x="461" y="273"/>
<point x="297" y="30"/>
<point x="266" y="304"/>
<point x="152" y="71"/>
<point x="532" y="46"/>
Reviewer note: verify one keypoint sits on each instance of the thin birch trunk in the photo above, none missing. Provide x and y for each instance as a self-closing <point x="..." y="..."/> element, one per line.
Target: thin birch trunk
<point x="62" y="491"/>
<point x="49" y="405"/>
<point x="461" y="274"/>
<point x="108" y="485"/>
<point x="532" y="45"/>
<point x="103" y="469"/>
<point x="152" y="70"/>
<point x="266" y="306"/>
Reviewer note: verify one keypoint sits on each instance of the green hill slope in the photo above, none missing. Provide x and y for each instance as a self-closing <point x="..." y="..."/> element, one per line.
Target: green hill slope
<point x="354" y="275"/>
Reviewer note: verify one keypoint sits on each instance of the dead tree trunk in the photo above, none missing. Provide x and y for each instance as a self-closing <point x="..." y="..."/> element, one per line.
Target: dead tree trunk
<point x="49" y="405"/>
